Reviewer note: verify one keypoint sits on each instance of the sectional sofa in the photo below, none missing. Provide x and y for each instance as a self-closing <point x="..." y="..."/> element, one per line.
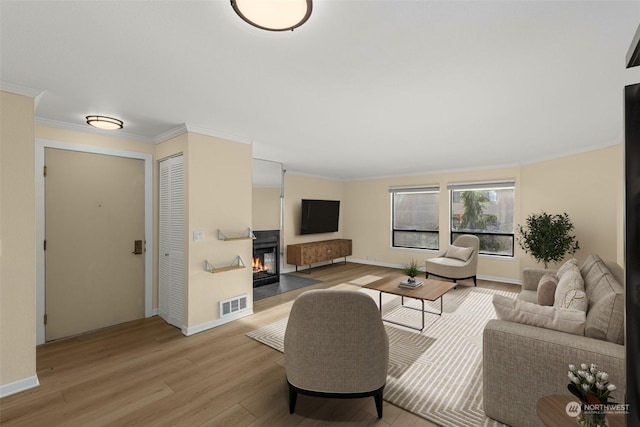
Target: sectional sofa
<point x="523" y="361"/>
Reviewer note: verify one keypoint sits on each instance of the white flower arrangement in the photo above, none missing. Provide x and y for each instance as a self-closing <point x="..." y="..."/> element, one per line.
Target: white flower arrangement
<point x="590" y="384"/>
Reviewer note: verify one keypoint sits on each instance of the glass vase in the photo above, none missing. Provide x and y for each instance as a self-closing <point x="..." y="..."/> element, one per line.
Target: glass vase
<point x="593" y="419"/>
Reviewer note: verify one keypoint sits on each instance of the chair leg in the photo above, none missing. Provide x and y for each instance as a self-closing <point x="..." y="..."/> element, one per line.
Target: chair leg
<point x="474" y="281"/>
<point x="293" y="396"/>
<point x="378" y="399"/>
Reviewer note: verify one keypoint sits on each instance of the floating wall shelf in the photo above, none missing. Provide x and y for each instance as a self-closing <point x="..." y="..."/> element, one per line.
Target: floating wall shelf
<point x="237" y="264"/>
<point x="248" y="235"/>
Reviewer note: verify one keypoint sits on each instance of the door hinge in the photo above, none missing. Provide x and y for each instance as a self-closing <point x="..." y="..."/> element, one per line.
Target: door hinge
<point x="45" y="245"/>
<point x="44" y="171"/>
<point x="45" y="319"/>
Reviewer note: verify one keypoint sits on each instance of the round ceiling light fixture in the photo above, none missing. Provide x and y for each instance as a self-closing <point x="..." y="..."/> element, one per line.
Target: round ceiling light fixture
<point x="104" y="122"/>
<point x="273" y="15"/>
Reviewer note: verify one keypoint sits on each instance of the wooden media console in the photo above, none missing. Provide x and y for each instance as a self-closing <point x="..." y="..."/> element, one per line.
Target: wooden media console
<point x="313" y="252"/>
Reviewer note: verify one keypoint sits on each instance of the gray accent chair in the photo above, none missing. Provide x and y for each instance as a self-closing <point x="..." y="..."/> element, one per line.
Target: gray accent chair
<point x="448" y="267"/>
<point x="335" y="346"/>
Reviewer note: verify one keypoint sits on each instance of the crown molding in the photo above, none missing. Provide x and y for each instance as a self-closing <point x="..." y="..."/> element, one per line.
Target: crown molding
<point x="187" y="128"/>
<point x="165" y="136"/>
<point x="19" y="89"/>
<point x="171" y="133"/>
<point x="218" y="134"/>
<point x="90" y="129"/>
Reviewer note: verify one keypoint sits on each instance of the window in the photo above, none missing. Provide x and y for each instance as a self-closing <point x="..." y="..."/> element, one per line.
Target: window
<point x="484" y="210"/>
<point x="415" y="217"/>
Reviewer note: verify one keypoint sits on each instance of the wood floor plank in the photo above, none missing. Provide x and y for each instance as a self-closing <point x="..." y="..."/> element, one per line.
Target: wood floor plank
<point x="147" y="373"/>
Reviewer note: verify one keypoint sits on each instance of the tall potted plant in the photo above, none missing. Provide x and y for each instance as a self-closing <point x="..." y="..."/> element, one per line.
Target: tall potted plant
<point x="547" y="237"/>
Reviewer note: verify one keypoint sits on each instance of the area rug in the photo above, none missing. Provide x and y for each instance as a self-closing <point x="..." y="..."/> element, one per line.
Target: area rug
<point x="436" y="373"/>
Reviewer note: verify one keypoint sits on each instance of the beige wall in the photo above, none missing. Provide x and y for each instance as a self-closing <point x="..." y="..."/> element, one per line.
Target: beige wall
<point x="368" y="219"/>
<point x="17" y="239"/>
<point x="298" y="187"/>
<point x="219" y="192"/>
<point x="265" y="207"/>
<point x="588" y="186"/>
<point x="92" y="139"/>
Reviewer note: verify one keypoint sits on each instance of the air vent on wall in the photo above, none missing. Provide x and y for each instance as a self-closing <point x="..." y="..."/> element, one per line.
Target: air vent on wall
<point x="233" y="305"/>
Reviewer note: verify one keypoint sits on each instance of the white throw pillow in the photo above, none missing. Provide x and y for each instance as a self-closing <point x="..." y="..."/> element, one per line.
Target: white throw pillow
<point x="569" y="265"/>
<point x="457" y="252"/>
<point x="558" y="319"/>
<point x="574" y="299"/>
<point x="570" y="291"/>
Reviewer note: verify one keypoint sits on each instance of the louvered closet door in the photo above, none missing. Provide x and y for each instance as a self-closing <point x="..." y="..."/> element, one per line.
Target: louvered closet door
<point x="171" y="263"/>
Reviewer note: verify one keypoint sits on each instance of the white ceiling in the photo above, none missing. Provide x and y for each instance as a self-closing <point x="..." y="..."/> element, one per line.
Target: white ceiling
<point x="363" y="89"/>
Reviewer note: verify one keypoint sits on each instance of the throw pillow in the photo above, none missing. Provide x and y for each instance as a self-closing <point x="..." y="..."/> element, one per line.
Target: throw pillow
<point x="575" y="299"/>
<point x="570" y="281"/>
<point x="457" y="252"/>
<point x="547" y="289"/>
<point x="557" y="319"/>
<point x="569" y="265"/>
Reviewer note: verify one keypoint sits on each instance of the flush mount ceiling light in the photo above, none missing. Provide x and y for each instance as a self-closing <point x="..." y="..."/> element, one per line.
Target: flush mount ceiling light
<point x="104" y="122"/>
<point x="273" y="15"/>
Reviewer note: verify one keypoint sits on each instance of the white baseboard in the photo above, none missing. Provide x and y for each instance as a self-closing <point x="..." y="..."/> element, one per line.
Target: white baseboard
<point x="481" y="277"/>
<point x="214" y="323"/>
<point x="500" y="279"/>
<point x="391" y="265"/>
<point x="18" y="386"/>
<point x="302" y="269"/>
<point x="377" y="263"/>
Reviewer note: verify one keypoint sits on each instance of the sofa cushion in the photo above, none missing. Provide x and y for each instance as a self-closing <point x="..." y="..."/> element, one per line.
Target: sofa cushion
<point x="594" y="274"/>
<point x="569" y="265"/>
<point x="547" y="289"/>
<point x="460" y="253"/>
<point x="569" y="282"/>
<point x="558" y="319"/>
<point x="528" y="296"/>
<point x="605" y="315"/>
<point x="588" y="264"/>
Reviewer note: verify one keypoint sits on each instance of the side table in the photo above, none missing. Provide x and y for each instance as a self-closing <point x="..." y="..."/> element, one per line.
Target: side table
<point x="552" y="411"/>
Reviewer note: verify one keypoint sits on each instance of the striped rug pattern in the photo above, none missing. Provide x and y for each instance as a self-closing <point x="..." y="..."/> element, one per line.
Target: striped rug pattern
<point x="436" y="374"/>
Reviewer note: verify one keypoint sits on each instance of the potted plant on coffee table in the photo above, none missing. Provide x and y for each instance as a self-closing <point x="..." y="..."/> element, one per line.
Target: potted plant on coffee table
<point x="411" y="270"/>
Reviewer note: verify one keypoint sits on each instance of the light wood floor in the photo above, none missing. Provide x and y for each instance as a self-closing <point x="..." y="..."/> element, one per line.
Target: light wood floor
<point x="147" y="373"/>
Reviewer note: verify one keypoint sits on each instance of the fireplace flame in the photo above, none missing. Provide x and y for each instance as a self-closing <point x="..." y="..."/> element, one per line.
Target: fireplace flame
<point x="257" y="265"/>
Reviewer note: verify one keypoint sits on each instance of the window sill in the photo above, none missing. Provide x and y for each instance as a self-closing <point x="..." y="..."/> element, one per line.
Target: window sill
<point x="431" y="251"/>
<point x="498" y="257"/>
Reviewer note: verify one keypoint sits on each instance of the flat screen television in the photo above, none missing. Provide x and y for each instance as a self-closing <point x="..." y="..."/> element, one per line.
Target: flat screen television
<point x="319" y="216"/>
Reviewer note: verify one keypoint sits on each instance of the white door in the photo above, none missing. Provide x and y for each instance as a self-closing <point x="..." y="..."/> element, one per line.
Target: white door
<point x="171" y="263"/>
<point x="94" y="213"/>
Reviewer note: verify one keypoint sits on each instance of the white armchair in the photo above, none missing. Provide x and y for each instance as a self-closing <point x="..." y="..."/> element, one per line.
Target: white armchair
<point x="459" y="262"/>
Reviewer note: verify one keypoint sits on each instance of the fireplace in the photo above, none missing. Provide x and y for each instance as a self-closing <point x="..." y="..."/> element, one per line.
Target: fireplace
<point x="266" y="257"/>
